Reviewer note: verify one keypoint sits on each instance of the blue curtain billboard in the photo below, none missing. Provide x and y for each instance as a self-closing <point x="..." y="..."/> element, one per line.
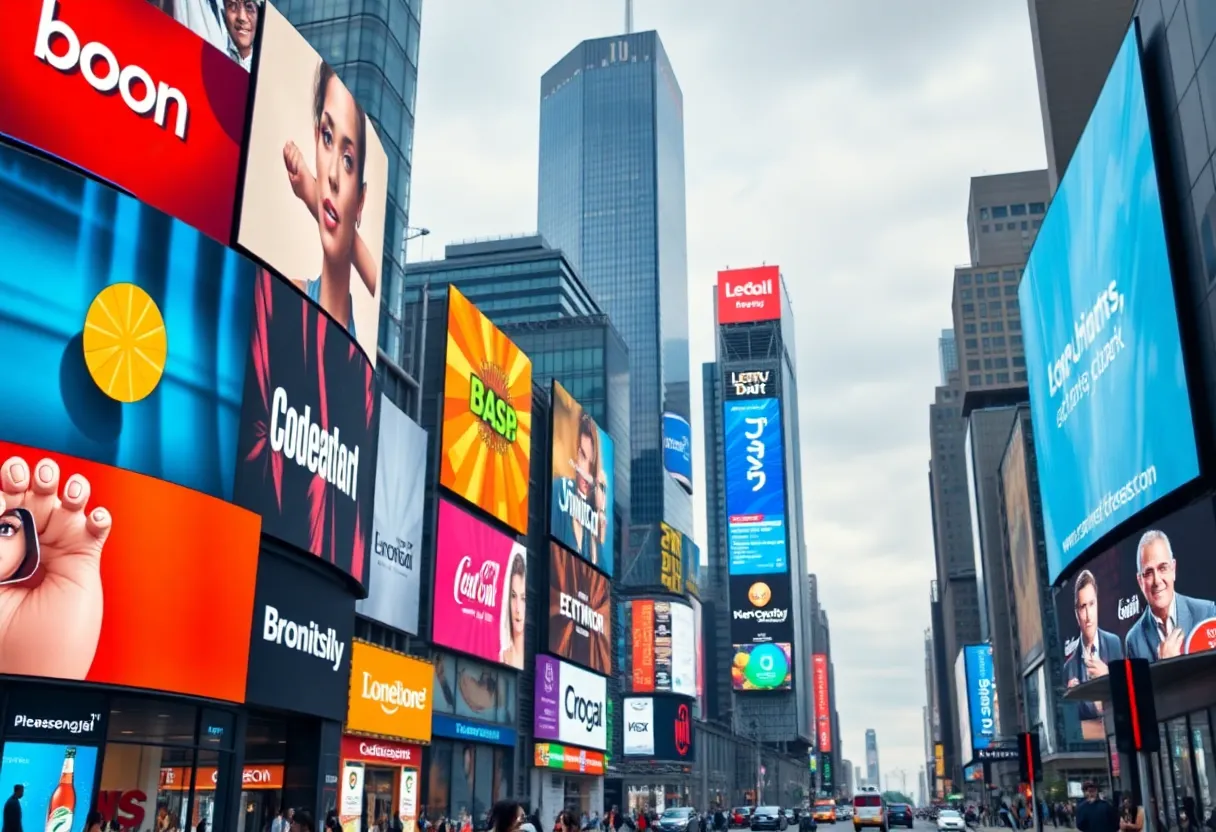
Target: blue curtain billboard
<point x="677" y="449"/>
<point x="981" y="693"/>
<point x="755" y="487"/>
<point x="1108" y="392"/>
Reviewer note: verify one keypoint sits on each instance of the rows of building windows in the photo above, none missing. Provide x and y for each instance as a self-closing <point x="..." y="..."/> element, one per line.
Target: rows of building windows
<point x="1000" y="212"/>
<point x="1003" y="276"/>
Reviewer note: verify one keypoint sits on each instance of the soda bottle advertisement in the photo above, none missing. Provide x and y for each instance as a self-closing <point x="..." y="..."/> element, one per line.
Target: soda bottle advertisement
<point x="56" y="780"/>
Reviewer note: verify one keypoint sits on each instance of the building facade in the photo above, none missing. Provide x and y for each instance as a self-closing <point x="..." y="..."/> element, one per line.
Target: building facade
<point x="873" y="775"/>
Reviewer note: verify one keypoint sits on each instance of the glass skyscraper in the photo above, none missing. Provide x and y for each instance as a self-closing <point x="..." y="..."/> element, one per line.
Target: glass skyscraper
<point x="611" y="196"/>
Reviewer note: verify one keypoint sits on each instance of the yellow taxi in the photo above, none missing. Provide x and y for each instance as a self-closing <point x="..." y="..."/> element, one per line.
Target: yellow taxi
<point x="825" y="811"/>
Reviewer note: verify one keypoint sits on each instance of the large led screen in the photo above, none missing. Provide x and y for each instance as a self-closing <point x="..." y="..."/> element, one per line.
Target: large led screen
<point x="122" y="91"/>
<point x="315" y="186"/>
<point x="662" y="647"/>
<point x="480" y="602"/>
<point x="580" y="612"/>
<point x="679" y="562"/>
<point x="761" y="609"/>
<point x="569" y="704"/>
<point x="1023" y="551"/>
<point x="768" y="666"/>
<point x="1108" y="392"/>
<point x="128" y="329"/>
<point x="981" y="694"/>
<point x="823" y="701"/>
<point x="658" y="728"/>
<point x="584" y="482"/>
<point x="1118" y="604"/>
<point x="755" y="487"/>
<point x="749" y="295"/>
<point x="487" y="415"/>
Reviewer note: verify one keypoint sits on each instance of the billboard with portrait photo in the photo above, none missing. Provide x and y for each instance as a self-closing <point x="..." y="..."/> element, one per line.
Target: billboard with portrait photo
<point x="77" y="592"/>
<point x="480" y="600"/>
<point x="308" y="430"/>
<point x="113" y="273"/>
<point x="1022" y="542"/>
<point x="580" y="612"/>
<point x="316" y="177"/>
<point x="486" y="442"/>
<point x="583" y="491"/>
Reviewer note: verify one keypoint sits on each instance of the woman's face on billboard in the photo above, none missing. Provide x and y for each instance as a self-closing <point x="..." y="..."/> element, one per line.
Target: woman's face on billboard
<point x="519" y="605"/>
<point x="13" y="543"/>
<point x="339" y="191"/>
<point x="586" y="454"/>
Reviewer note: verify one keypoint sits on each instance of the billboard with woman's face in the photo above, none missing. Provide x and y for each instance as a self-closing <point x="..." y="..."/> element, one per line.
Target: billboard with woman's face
<point x="316" y="179"/>
<point x="480" y="600"/>
<point x="583" y="482"/>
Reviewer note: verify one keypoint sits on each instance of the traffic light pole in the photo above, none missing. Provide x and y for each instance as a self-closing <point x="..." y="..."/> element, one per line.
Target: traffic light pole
<point x="1034" y="804"/>
<point x="1150" y="822"/>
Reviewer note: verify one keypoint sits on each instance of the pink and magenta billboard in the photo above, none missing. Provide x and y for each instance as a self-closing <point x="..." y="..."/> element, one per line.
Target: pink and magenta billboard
<point x="480" y="589"/>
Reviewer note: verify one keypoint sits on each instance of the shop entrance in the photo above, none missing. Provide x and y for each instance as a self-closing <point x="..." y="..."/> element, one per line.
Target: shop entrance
<point x="378" y="803"/>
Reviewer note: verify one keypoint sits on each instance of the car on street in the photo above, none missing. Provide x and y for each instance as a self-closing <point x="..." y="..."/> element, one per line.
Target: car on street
<point x="949" y="820"/>
<point x="739" y="815"/>
<point x="679" y="819"/>
<point x="844" y="812"/>
<point x="825" y="811"/>
<point x="769" y="817"/>
<point x="869" y="810"/>
<point x="900" y="814"/>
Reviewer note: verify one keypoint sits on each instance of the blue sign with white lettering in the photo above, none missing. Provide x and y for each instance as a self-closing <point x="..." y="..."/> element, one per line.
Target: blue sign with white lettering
<point x="755" y="486"/>
<point x="677" y="449"/>
<point x="443" y="725"/>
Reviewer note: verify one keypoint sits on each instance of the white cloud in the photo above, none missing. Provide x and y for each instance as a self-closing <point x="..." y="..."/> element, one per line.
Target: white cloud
<point x="835" y="139"/>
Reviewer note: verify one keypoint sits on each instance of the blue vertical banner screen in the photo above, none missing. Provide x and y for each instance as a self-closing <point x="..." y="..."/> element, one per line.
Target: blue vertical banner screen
<point x="755" y="486"/>
<point x="981" y="693"/>
<point x="677" y="449"/>
<point x="38" y="767"/>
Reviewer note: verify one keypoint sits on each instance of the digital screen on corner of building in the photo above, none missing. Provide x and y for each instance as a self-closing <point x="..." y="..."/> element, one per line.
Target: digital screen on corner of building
<point x="981" y="693"/>
<point x="583" y="490"/>
<point x="1108" y="391"/>
<point x="749" y="295"/>
<point x="754" y="464"/>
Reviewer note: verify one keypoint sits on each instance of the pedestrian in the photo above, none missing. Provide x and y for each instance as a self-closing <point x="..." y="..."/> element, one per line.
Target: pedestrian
<point x="1096" y="814"/>
<point x="12" y="810"/>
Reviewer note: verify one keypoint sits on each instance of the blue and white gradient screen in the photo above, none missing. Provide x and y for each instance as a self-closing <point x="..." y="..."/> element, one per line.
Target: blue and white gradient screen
<point x="981" y="694"/>
<point x="755" y="487"/>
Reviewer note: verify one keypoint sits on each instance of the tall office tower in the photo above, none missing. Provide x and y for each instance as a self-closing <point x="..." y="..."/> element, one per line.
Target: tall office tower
<point x="942" y="712"/>
<point x="930" y="696"/>
<point x="858" y="780"/>
<point x="611" y="195"/>
<point x="947" y="355"/>
<point x="827" y="724"/>
<point x="374" y="49"/>
<point x="872" y="772"/>
<point x="848" y="779"/>
<point x="923" y="796"/>
<point x="1075" y="42"/>
<point x="754" y="488"/>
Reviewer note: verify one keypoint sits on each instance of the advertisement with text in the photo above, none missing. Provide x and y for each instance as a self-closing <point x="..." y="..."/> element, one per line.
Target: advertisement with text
<point x="751" y="384"/>
<point x="39" y="768"/>
<point x="316" y="181"/>
<point x="487" y="415"/>
<point x="822" y="700"/>
<point x="761" y="609"/>
<point x="480" y="600"/>
<point x="1157" y="580"/>
<point x="576" y="760"/>
<point x="390" y="693"/>
<point x="82" y="550"/>
<point x="755" y="487"/>
<point x="1103" y="350"/>
<point x="580" y="612"/>
<point x="663" y="647"/>
<point x="749" y="295"/>
<point x="981" y="694"/>
<point x="569" y="704"/>
<point x="132" y="341"/>
<point x="88" y="80"/>
<point x="679" y="562"/>
<point x="659" y="728"/>
<point x="698" y="629"/>
<point x="308" y="430"/>
<point x="394" y="567"/>
<point x="1023" y="547"/>
<point x="677" y="449"/>
<point x="583" y="491"/>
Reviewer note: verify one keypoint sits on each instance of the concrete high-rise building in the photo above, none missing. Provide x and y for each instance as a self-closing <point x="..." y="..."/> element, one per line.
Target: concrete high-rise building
<point x="611" y="196"/>
<point x="848" y="779"/>
<point x="873" y="778"/>
<point x="947" y="355"/>
<point x="1004" y="212"/>
<point x="858" y="780"/>
<point x="1075" y="42"/>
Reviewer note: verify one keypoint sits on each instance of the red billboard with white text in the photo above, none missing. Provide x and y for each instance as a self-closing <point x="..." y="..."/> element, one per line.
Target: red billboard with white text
<point x="121" y="90"/>
<point x="823" y="703"/>
<point x="749" y="295"/>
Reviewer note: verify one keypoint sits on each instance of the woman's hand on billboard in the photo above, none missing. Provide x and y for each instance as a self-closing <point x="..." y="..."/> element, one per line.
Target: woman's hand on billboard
<point x="50" y="625"/>
<point x="303" y="184"/>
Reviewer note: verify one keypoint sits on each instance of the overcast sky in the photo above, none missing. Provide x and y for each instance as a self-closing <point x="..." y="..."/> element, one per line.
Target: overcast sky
<point x="835" y="138"/>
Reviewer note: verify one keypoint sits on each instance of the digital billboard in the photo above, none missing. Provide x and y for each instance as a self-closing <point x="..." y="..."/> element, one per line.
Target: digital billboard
<point x="679" y="562"/>
<point x="768" y="666"/>
<point x="110" y="270"/>
<point x="822" y="700"/>
<point x="480" y="601"/>
<point x="677" y="449"/>
<point x="1117" y="606"/>
<point x="580" y="612"/>
<point x="89" y="80"/>
<point x="698" y="625"/>
<point x="749" y="295"/>
<point x="569" y="704"/>
<point x="1099" y="317"/>
<point x="981" y="695"/>
<point x="487" y="415"/>
<point x="39" y="768"/>
<point x="315" y="187"/>
<point x="467" y="688"/>
<point x="658" y="728"/>
<point x="82" y="549"/>
<point x="390" y="693"/>
<point x="663" y="647"/>
<point x="755" y="487"/>
<point x="394" y="567"/>
<point x="1023" y="548"/>
<point x="751" y="384"/>
<point x="760" y="609"/>
<point x="584" y="482"/>
<point x="307" y="446"/>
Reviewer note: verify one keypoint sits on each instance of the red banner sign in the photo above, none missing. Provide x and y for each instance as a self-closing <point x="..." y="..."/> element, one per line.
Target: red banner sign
<point x="823" y="705"/>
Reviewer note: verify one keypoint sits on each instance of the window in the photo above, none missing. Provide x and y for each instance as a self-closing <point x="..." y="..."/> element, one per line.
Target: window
<point x="1018" y="210"/>
<point x="983" y="213"/>
<point x="992" y="277"/>
<point x="1019" y="361"/>
<point x="974" y="380"/>
<point x="1025" y="225"/>
<point x="987" y="342"/>
<point x="1038" y="208"/>
<point x="965" y="294"/>
<point x="964" y="279"/>
<point x="988" y="379"/>
<point x="999" y="341"/>
<point x="999" y="212"/>
<point x="970" y="343"/>
<point x="998" y="326"/>
<point x="968" y="329"/>
<point x="968" y="308"/>
<point x="994" y="291"/>
<point x="983" y="229"/>
<point x="1011" y="305"/>
<point x="1015" y="340"/>
<point x="1011" y="291"/>
<point x="1000" y="226"/>
<point x="983" y="326"/>
<point x="1009" y="276"/>
<point x="1020" y="375"/>
<point x="973" y="363"/>
<point x="1000" y="362"/>
<point x="987" y="363"/>
<point x="1002" y="377"/>
<point x="1036" y="223"/>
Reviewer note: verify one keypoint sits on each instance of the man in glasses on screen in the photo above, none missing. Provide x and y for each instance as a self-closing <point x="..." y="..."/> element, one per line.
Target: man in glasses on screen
<point x="228" y="25"/>
<point x="1162" y="629"/>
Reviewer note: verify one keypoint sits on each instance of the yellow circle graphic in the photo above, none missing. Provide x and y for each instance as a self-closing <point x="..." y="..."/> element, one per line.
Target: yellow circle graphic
<point x="125" y="344"/>
<point x="759" y="594"/>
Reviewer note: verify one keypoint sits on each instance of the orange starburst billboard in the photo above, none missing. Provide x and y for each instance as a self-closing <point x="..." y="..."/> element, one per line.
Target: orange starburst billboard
<point x="487" y="415"/>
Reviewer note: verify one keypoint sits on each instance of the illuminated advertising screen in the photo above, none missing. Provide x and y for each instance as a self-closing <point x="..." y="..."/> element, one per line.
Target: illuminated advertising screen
<point x="77" y="592"/>
<point x="658" y="728"/>
<point x="698" y="623"/>
<point x="822" y="700"/>
<point x="487" y="415"/>
<point x="677" y="449"/>
<point x="679" y="562"/>
<point x="308" y="430"/>
<point x="760" y="609"/>
<point x="1099" y="317"/>
<point x="749" y="295"/>
<point x="755" y="487"/>
<point x="1023" y="551"/>
<point x="39" y="768"/>
<point x="480" y="600"/>
<point x="88" y="81"/>
<point x="467" y="688"/>
<point x="111" y="271"/>
<point x="316" y="178"/>
<point x="751" y="384"/>
<point x="663" y="647"/>
<point x="768" y="666"/>
<point x="580" y="612"/>
<point x="569" y="704"/>
<point x="584" y="482"/>
<point x="981" y="694"/>
<point x="1116" y="606"/>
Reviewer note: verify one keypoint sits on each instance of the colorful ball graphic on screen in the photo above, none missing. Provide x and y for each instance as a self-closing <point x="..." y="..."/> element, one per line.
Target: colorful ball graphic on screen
<point x="767" y="666"/>
<point x="125" y="345"/>
<point x="759" y="594"/>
